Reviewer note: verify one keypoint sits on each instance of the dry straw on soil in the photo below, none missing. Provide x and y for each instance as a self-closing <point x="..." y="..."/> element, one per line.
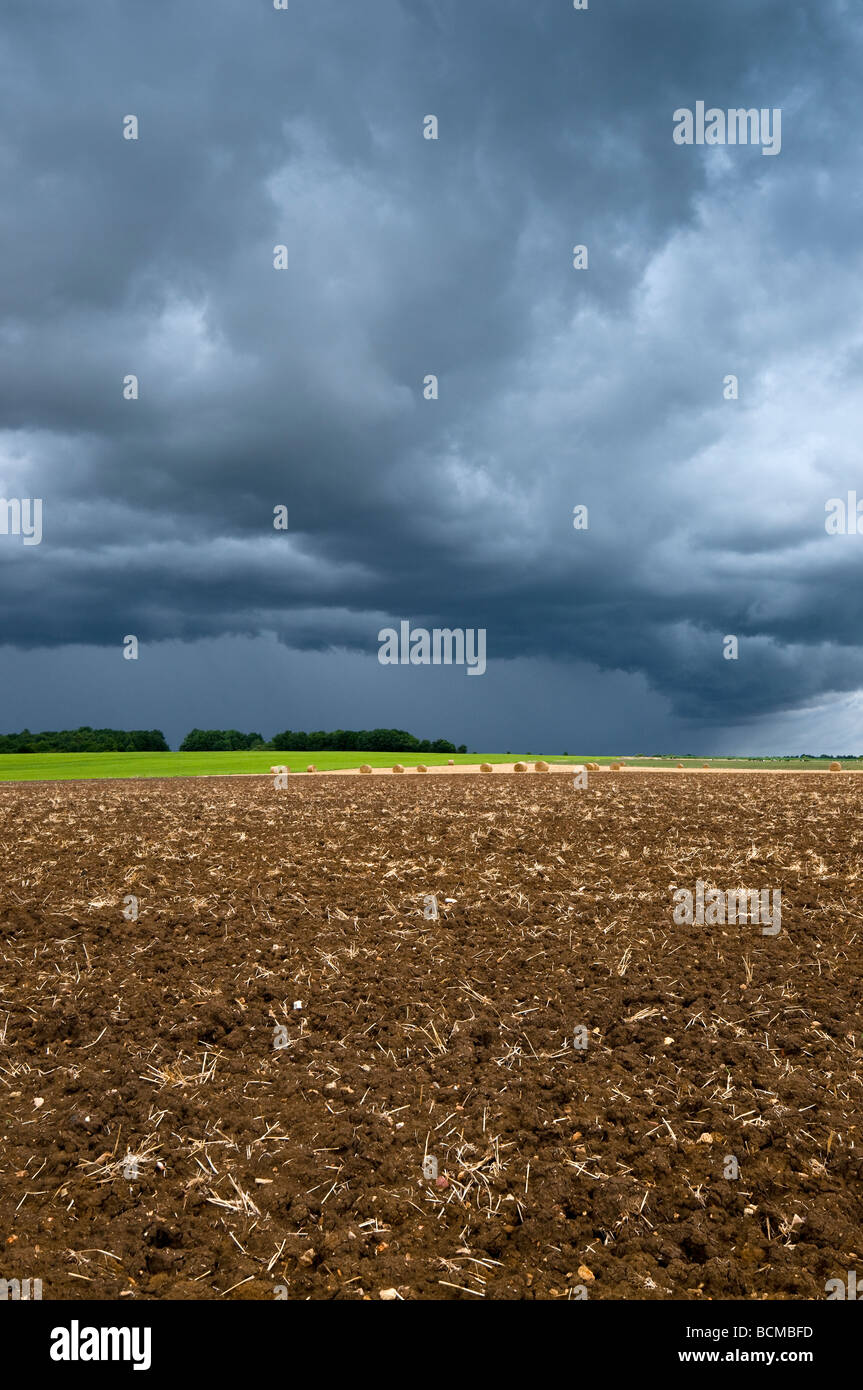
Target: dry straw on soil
<point x="301" y="1165"/>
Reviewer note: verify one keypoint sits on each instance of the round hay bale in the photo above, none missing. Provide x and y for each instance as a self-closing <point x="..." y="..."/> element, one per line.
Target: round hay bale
<point x="486" y="767"/>
<point x="835" y="767"/>
<point x="311" y="768"/>
<point x="520" y="767"/>
<point x="615" y="767"/>
<point x="680" y="764"/>
<point x="450" y="762"/>
<point x="397" y="767"/>
<point x="593" y="767"/>
<point x="421" y="767"/>
<point x="365" y="768"/>
<point x="705" y="766"/>
<point x="540" y="766"/>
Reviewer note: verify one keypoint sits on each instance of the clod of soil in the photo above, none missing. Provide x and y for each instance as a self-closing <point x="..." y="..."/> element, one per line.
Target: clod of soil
<point x="612" y="1100"/>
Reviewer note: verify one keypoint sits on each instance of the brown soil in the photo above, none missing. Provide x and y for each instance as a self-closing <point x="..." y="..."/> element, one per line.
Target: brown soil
<point x="451" y="1037"/>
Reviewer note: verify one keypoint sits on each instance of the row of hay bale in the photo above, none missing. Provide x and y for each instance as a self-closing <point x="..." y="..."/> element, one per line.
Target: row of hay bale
<point x="539" y="766"/>
<point x="483" y="767"/>
<point x="523" y="767"/>
<point x="518" y="767"/>
<point x="420" y="767"/>
<point x="397" y="767"/>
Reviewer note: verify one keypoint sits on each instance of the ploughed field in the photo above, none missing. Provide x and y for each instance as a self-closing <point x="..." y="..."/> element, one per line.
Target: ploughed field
<point x="296" y="1170"/>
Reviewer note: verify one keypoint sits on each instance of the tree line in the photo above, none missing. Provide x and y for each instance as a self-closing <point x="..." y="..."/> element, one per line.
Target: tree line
<point x="85" y="740"/>
<point x="321" y="740"/>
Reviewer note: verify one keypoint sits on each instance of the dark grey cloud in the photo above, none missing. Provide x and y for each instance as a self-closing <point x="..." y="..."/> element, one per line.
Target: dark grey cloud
<point x="453" y="257"/>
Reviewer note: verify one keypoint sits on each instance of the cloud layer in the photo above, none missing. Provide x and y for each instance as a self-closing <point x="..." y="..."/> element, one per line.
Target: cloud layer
<point x="408" y="257"/>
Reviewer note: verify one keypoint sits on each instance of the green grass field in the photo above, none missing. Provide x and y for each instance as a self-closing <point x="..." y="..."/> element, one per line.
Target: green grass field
<point x="50" y="767"/>
<point x="58" y="767"/>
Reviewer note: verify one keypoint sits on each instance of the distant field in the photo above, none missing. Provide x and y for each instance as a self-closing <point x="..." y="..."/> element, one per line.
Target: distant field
<point x="56" y="767"/>
<point x="50" y="767"/>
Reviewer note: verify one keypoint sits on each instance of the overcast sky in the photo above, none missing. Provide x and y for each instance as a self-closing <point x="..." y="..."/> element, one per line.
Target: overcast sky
<point x="408" y="257"/>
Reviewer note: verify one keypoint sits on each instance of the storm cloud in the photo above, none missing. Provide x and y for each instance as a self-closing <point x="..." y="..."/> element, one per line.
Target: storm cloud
<point x="408" y="257"/>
